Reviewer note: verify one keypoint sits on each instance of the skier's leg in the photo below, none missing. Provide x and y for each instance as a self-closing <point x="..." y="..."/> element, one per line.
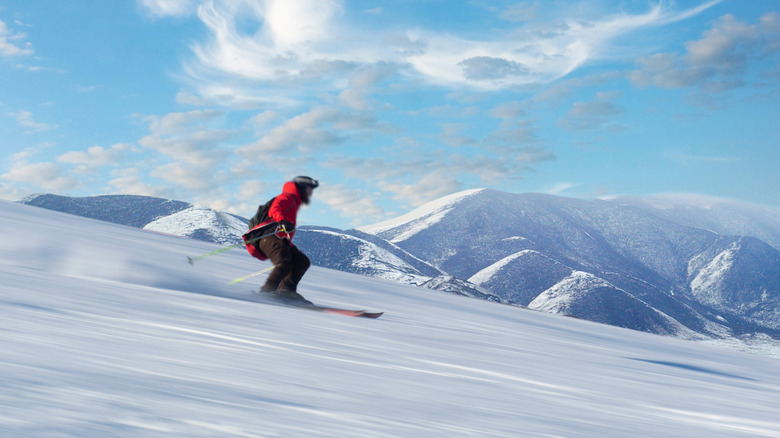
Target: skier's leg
<point x="299" y="265"/>
<point x="278" y="251"/>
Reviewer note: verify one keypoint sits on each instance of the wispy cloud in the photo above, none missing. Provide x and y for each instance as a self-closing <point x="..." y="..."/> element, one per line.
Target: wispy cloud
<point x="311" y="44"/>
<point x="318" y="128"/>
<point x="165" y="8"/>
<point x="12" y="43"/>
<point x="560" y="188"/>
<point x="96" y="156"/>
<point x="319" y="85"/>
<point x="351" y="202"/>
<point x="187" y="137"/>
<point x="533" y="55"/>
<point x="522" y="11"/>
<point x="43" y="175"/>
<point x="25" y="120"/>
<point x="592" y="114"/>
<point x="718" y="61"/>
<point x="130" y="180"/>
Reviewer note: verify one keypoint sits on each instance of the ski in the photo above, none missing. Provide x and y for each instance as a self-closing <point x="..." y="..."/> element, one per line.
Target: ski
<point x="307" y="305"/>
<point x="345" y="312"/>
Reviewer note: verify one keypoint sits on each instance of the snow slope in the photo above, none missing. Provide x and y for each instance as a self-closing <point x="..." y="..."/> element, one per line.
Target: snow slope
<point x="106" y="331"/>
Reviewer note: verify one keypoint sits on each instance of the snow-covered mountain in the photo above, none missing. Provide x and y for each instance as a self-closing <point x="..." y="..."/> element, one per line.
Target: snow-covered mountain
<point x="722" y="216"/>
<point x="614" y="261"/>
<point x="130" y="210"/>
<point x="583" y="295"/>
<point x="202" y="224"/>
<point x="113" y="335"/>
<point x="348" y="251"/>
<point x="336" y="249"/>
<point x="598" y="260"/>
<point x="155" y="214"/>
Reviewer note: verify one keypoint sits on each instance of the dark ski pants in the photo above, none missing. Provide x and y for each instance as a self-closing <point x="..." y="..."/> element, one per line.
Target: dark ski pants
<point x="290" y="264"/>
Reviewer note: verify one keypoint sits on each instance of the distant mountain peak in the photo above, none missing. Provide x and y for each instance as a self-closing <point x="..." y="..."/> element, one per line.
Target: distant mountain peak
<point x="202" y="224"/>
<point x="421" y="217"/>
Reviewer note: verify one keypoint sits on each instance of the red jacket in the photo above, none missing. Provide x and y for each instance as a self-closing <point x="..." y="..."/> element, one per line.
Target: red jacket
<point x="283" y="208"/>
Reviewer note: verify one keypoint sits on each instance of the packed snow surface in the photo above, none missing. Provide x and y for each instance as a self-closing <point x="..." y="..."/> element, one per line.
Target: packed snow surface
<point x="105" y="331"/>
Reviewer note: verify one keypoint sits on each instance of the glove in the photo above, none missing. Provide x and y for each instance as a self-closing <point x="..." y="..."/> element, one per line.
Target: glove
<point x="287" y="225"/>
<point x="284" y="228"/>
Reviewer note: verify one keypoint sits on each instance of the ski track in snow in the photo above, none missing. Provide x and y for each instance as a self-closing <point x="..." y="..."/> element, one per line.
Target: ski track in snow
<point x="106" y="331"/>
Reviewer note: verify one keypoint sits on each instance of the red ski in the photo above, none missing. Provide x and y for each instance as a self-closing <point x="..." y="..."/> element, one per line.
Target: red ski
<point x="303" y="303"/>
<point x="345" y="312"/>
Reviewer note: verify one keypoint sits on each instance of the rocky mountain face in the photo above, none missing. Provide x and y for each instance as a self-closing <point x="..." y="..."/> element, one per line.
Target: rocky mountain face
<point x="627" y="262"/>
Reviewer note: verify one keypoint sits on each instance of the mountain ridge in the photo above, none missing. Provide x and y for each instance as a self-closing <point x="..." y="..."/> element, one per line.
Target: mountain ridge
<point x="523" y="249"/>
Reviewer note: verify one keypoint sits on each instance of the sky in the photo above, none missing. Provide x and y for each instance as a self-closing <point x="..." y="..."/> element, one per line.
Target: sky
<point x="389" y="104"/>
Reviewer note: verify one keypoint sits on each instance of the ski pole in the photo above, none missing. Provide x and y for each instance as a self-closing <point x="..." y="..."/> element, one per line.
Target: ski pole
<point x="192" y="260"/>
<point x="251" y="275"/>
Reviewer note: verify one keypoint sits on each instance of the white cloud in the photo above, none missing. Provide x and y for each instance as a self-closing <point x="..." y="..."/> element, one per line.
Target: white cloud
<point x="560" y="188"/>
<point x="179" y="123"/>
<point x="185" y="176"/>
<point x="262" y="120"/>
<point x="718" y="61"/>
<point x="523" y="11"/>
<point x="180" y="135"/>
<point x="363" y="82"/>
<point x="96" y="156"/>
<point x="12" y="43"/>
<point x="509" y="110"/>
<point x="430" y="175"/>
<point x="593" y="114"/>
<point x="130" y="181"/>
<point x="11" y="193"/>
<point x="47" y="176"/>
<point x="278" y="51"/>
<point x="25" y="120"/>
<point x="350" y="203"/>
<point x="292" y="23"/>
<point x="173" y="8"/>
<point x="432" y="185"/>
<point x="251" y="190"/>
<point x="186" y="98"/>
<point x="281" y="42"/>
<point x="539" y="54"/>
<point x="452" y="135"/>
<point x="320" y="127"/>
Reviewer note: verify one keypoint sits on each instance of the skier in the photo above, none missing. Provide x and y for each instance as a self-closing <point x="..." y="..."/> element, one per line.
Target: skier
<point x="280" y="214"/>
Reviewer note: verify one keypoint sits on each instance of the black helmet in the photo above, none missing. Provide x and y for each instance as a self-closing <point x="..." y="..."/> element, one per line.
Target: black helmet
<point x="304" y="181"/>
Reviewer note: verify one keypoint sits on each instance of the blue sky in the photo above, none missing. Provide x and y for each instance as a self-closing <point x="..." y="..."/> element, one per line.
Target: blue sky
<point x="389" y="104"/>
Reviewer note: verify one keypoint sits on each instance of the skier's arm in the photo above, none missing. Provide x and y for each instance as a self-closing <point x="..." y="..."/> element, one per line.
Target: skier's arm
<point x="280" y="208"/>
